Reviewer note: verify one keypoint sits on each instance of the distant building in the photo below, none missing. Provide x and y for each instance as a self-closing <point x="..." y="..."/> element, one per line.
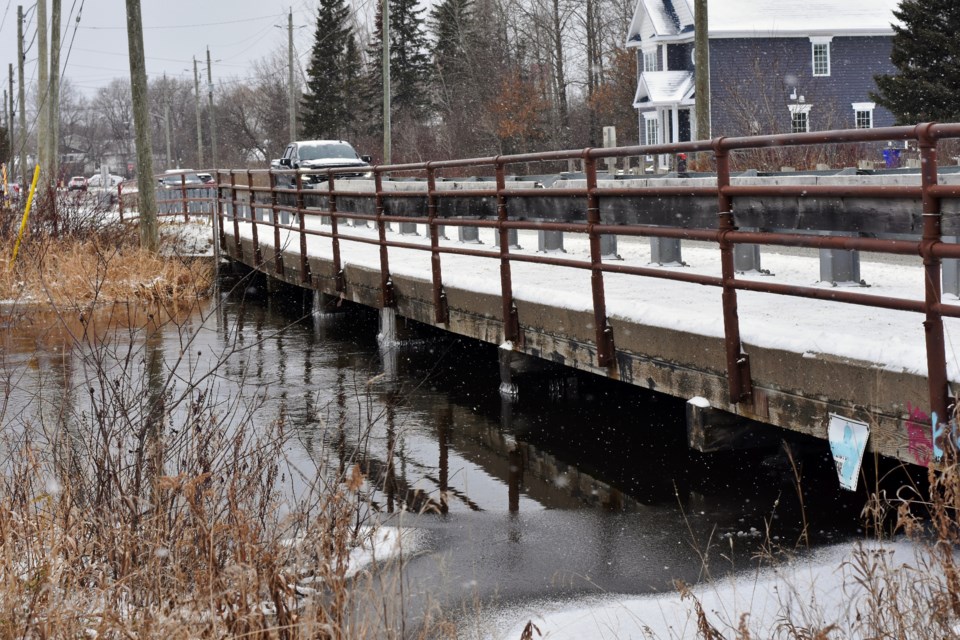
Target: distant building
<point x="776" y="66"/>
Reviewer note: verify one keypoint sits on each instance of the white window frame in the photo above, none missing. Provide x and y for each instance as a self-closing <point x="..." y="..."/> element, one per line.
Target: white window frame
<point x="796" y="111"/>
<point x="821" y="43"/>
<point x="863" y="112"/>
<point x="650" y="59"/>
<point x="651" y="124"/>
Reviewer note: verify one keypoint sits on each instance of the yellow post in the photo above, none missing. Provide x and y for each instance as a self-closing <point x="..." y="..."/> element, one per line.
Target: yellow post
<point x="26" y="214"/>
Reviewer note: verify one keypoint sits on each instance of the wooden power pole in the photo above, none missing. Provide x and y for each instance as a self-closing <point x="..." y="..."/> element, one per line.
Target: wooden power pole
<point x="701" y="40"/>
<point x="387" y="147"/>
<point x="53" y="100"/>
<point x="43" y="93"/>
<point x="196" y="87"/>
<point x="149" y="231"/>
<point x="213" y="115"/>
<point x="292" y="106"/>
<point x="22" y="100"/>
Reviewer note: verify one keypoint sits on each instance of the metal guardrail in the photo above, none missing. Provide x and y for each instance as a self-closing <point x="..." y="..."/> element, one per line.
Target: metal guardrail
<point x="242" y="196"/>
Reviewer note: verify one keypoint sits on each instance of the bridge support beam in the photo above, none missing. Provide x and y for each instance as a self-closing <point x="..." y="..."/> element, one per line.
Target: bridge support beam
<point x="513" y="363"/>
<point x="711" y="430"/>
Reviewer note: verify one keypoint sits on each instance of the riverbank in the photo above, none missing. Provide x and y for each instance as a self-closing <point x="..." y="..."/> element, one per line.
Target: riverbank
<point x="106" y="266"/>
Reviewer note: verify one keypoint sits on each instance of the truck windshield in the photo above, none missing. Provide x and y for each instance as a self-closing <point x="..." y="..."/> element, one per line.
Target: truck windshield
<point x="331" y="150"/>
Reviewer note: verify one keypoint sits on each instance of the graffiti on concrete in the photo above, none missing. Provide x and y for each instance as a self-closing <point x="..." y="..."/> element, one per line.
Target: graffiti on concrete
<point x="919" y="441"/>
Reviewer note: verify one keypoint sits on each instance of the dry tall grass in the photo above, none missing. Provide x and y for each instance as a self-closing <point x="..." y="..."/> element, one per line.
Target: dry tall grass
<point x="136" y="500"/>
<point x="107" y="267"/>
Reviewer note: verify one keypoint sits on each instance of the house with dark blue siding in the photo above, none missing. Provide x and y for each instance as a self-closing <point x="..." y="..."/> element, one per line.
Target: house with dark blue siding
<point x="776" y="66"/>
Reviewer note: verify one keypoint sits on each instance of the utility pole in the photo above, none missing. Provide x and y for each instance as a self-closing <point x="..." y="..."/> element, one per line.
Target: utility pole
<point x="196" y="86"/>
<point x="22" y="99"/>
<point x="149" y="231"/>
<point x="13" y="147"/>
<point x="53" y="100"/>
<point x="166" y="118"/>
<point x="213" y="116"/>
<point x="387" y="147"/>
<point x="43" y="93"/>
<point x="293" y="99"/>
<point x="701" y="39"/>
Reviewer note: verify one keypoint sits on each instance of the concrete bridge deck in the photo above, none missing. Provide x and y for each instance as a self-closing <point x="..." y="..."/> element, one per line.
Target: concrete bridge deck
<point x="808" y="358"/>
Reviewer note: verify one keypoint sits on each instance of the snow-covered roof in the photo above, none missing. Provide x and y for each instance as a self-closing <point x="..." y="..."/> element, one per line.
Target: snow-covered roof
<point x="664" y="88"/>
<point x="672" y="19"/>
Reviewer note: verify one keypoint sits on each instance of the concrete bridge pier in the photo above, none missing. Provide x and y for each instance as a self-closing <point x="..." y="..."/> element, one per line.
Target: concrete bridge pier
<point x="325" y="304"/>
<point x="710" y="430"/>
<point x="408" y="229"/>
<point x="546" y="377"/>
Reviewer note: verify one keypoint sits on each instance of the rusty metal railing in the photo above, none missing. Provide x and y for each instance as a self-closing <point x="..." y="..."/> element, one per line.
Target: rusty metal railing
<point x="243" y="196"/>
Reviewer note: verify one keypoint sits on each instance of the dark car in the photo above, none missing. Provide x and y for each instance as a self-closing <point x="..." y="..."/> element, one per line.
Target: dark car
<point x="324" y="154"/>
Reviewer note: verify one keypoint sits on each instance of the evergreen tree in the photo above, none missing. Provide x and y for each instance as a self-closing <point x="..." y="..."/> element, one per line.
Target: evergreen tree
<point x="327" y="104"/>
<point x="409" y="66"/>
<point x="926" y="51"/>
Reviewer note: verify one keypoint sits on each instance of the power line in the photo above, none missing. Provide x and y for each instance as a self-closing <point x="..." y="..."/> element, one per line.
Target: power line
<point x="188" y="26"/>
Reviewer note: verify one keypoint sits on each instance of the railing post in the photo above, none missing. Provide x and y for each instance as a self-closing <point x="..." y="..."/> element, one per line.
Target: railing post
<point x="441" y="313"/>
<point x="606" y="356"/>
<point x="183" y="197"/>
<point x="235" y="205"/>
<point x="301" y="222"/>
<point x="386" y="282"/>
<point x="257" y="255"/>
<point x="220" y="236"/>
<point x="738" y="363"/>
<point x="277" y="250"/>
<point x="339" y="278"/>
<point x="511" y="323"/>
<point x="933" y="324"/>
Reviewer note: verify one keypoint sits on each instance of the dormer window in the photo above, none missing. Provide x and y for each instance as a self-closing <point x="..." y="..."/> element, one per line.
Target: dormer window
<point x="820" y="50"/>
<point x="650" y="59"/>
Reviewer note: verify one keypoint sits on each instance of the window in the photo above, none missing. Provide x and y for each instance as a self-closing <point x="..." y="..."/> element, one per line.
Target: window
<point x="652" y="128"/>
<point x="650" y="60"/>
<point x="821" y="56"/>
<point x="799" y="118"/>
<point x="863" y="115"/>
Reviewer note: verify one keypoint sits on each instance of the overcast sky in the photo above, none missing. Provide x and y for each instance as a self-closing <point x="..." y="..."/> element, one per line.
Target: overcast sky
<point x="94" y="50"/>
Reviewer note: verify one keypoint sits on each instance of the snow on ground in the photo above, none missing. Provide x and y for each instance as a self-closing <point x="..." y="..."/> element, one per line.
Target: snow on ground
<point x="826" y="587"/>
<point x="893" y="339"/>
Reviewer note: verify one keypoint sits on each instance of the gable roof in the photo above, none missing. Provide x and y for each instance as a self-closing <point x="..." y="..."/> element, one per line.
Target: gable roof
<point x="657" y="88"/>
<point x="673" y="19"/>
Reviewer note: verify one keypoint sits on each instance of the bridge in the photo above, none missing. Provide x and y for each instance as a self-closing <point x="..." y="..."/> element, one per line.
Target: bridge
<point x="853" y="316"/>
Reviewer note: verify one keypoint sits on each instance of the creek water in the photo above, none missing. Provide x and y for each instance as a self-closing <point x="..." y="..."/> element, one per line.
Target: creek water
<point x="582" y="486"/>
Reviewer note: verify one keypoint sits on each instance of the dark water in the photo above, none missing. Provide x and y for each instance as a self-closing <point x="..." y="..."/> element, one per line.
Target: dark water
<point x="582" y="486"/>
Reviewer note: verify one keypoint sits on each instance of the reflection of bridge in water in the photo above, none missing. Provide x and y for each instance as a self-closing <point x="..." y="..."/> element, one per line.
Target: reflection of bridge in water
<point x="749" y="348"/>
